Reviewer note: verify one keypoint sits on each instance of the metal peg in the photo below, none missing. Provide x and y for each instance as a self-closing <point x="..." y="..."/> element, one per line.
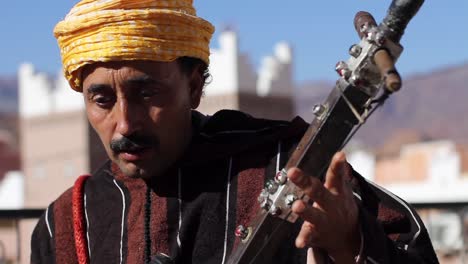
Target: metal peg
<point x="281" y="177"/>
<point x="355" y="80"/>
<point x="242" y="232"/>
<point x="355" y="50"/>
<point x="275" y="210"/>
<point x="342" y="69"/>
<point x="264" y="200"/>
<point x="318" y="110"/>
<point x="379" y="39"/>
<point x="271" y="186"/>
<point x="290" y="199"/>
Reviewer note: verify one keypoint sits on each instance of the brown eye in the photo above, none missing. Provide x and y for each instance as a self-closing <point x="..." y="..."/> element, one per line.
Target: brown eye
<point x="103" y="101"/>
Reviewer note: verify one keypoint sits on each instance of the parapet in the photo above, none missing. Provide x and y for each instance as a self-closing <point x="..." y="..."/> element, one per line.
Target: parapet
<point x="233" y="72"/>
<point x="40" y="95"/>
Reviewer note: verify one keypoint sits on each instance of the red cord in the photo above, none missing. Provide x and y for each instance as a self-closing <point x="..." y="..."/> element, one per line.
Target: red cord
<point x="79" y="225"/>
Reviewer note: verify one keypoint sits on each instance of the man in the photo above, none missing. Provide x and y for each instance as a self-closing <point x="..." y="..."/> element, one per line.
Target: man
<point x="178" y="183"/>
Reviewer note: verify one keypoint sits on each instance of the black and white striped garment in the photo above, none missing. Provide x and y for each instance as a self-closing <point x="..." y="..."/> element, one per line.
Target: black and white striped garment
<point x="191" y="214"/>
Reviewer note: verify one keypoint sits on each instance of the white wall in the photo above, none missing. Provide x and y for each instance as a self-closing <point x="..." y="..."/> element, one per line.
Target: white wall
<point x="275" y="75"/>
<point x="12" y="191"/>
<point x="363" y="162"/>
<point x="223" y="65"/>
<point x="40" y="95"/>
<point x="64" y="98"/>
<point x="233" y="72"/>
<point x="34" y="90"/>
<point x="445" y="164"/>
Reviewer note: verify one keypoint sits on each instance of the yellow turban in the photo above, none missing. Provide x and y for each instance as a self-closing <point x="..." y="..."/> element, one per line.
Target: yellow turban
<point x="116" y="30"/>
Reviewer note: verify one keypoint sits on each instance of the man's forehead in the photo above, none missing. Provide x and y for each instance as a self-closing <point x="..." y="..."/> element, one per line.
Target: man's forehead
<point x="132" y="70"/>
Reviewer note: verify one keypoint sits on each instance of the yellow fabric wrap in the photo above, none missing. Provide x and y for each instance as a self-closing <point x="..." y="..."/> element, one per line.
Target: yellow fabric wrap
<point x="116" y="30"/>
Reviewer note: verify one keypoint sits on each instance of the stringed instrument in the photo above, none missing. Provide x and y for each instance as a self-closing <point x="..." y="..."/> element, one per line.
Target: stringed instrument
<point x="366" y="81"/>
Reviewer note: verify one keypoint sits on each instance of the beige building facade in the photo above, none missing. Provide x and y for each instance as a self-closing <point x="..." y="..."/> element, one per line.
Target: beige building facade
<point x="432" y="176"/>
<point x="56" y="143"/>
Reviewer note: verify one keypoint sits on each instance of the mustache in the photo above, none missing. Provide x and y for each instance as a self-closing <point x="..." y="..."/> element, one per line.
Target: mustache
<point x="133" y="143"/>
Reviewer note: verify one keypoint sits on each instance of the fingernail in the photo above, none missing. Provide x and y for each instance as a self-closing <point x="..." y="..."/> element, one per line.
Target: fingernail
<point x="292" y="173"/>
<point x="341" y="156"/>
<point x="298" y="207"/>
<point x="300" y="243"/>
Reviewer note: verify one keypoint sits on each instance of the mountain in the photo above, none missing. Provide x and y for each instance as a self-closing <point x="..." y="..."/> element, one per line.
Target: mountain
<point x="429" y="106"/>
<point x="8" y="95"/>
<point x="308" y="94"/>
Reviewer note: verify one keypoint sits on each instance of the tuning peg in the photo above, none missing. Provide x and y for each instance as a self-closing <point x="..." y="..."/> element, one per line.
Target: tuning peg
<point x="264" y="200"/>
<point x="386" y="66"/>
<point x="342" y="69"/>
<point x="355" y="50"/>
<point x="290" y="199"/>
<point x="271" y="186"/>
<point x="242" y="232"/>
<point x="275" y="210"/>
<point x="281" y="177"/>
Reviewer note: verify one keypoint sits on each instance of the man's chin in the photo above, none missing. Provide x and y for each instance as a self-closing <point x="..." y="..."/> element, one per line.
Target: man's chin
<point x="133" y="170"/>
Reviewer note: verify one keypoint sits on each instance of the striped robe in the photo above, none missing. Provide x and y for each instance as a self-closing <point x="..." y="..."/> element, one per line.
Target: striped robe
<point x="195" y="208"/>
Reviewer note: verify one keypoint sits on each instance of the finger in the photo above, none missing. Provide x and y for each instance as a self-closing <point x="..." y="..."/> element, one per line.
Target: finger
<point x="337" y="172"/>
<point x="310" y="214"/>
<point x="312" y="187"/>
<point x="299" y="178"/>
<point x="316" y="256"/>
<point x="306" y="236"/>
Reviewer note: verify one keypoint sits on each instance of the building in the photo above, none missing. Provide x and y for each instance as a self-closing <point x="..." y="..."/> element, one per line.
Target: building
<point x="9" y="154"/>
<point x="56" y="143"/>
<point x="236" y="85"/>
<point x="432" y="176"/>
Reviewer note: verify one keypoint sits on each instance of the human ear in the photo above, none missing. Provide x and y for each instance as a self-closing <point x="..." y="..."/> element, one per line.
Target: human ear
<point x="196" y="86"/>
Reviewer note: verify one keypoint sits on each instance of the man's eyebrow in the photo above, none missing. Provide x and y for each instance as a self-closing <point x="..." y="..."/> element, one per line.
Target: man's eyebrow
<point x="140" y="80"/>
<point x="98" y="88"/>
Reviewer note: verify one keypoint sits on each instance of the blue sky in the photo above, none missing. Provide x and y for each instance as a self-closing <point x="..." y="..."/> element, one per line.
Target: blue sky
<point x="320" y="32"/>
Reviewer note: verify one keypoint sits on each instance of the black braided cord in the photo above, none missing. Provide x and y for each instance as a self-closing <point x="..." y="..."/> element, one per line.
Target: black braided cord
<point x="147" y="226"/>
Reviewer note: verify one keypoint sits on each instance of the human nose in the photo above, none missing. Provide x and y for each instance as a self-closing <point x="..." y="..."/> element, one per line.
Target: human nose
<point x="128" y="117"/>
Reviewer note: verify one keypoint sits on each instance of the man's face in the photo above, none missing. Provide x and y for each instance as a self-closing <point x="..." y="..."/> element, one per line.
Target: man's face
<point x="141" y="112"/>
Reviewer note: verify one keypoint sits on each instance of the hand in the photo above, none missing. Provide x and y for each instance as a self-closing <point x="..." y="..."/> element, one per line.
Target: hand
<point x="331" y="223"/>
